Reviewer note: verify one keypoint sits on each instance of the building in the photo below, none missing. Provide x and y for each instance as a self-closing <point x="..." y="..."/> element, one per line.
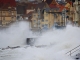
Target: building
<point x="48" y="21"/>
<point x="36" y="20"/>
<point x="47" y="16"/>
<point x="75" y="12"/>
<point x="68" y="6"/>
<point x="8" y="13"/>
<point x="79" y="12"/>
<point x="59" y="12"/>
<point x="41" y="19"/>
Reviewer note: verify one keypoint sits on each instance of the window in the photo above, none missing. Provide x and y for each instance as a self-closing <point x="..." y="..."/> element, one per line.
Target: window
<point x="34" y="21"/>
<point x="67" y="16"/>
<point x="67" y="10"/>
<point x="45" y="25"/>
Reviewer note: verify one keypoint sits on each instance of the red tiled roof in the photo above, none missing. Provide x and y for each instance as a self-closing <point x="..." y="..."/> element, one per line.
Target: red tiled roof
<point x="6" y="7"/>
<point x="63" y="7"/>
<point x="11" y="2"/>
<point x="54" y="4"/>
<point x="69" y="1"/>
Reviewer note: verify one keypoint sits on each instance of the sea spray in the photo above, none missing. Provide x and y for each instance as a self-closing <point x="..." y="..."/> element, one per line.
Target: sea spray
<point x="15" y="34"/>
<point x="57" y="41"/>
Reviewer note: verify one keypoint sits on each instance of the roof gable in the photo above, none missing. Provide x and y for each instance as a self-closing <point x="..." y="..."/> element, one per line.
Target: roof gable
<point x="68" y="5"/>
<point x="54" y="4"/>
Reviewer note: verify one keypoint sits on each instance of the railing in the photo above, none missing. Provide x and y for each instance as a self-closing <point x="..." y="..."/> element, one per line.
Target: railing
<point x="73" y="50"/>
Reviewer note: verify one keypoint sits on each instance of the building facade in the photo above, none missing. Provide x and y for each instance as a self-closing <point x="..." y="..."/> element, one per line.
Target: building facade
<point x="75" y="12"/>
<point x="36" y="20"/>
<point x="7" y="15"/>
<point x="48" y="20"/>
<point x="79" y="12"/>
<point x="8" y="12"/>
<point x="59" y="12"/>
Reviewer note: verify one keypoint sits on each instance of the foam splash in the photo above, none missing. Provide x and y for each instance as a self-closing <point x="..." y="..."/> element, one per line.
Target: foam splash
<point x="67" y="38"/>
<point x="15" y="35"/>
<point x="58" y="42"/>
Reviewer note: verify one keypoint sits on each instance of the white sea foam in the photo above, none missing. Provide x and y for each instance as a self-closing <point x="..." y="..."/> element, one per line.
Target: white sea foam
<point x="57" y="41"/>
<point x="15" y="35"/>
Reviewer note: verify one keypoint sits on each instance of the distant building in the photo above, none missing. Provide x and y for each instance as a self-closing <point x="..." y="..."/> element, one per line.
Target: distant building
<point x="48" y="20"/>
<point x="68" y="7"/>
<point x="36" y="20"/>
<point x="59" y="13"/>
<point x="8" y="13"/>
<point x="77" y="12"/>
<point x="41" y="19"/>
<point x="46" y="16"/>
